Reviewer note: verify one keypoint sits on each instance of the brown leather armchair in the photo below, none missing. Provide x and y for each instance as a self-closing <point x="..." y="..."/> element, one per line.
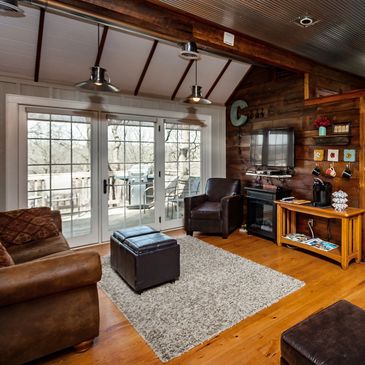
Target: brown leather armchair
<point x="48" y="299"/>
<point x="219" y="210"/>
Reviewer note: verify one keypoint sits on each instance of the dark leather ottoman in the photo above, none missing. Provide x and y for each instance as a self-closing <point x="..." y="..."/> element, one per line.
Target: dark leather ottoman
<point x="333" y="336"/>
<point x="146" y="260"/>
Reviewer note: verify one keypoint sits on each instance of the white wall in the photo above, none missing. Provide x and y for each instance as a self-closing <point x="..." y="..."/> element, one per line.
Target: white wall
<point x="29" y="88"/>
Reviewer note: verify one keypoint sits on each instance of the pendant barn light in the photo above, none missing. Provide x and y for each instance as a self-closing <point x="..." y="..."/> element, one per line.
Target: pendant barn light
<point x="196" y="91"/>
<point x="10" y="8"/>
<point x="99" y="79"/>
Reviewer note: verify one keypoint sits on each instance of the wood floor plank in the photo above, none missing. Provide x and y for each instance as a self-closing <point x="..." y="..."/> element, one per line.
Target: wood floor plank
<point x="255" y="340"/>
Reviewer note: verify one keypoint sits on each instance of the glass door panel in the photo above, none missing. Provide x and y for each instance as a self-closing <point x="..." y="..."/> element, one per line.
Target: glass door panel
<point x="182" y="167"/>
<point x="60" y="169"/>
<point x="130" y="173"/>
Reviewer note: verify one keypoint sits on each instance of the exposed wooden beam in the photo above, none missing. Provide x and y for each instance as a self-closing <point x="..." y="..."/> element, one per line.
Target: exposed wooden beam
<point x="182" y="78"/>
<point x="224" y="69"/>
<point x="101" y="45"/>
<point x="39" y="44"/>
<point x="306" y="86"/>
<point x="145" y="68"/>
<point x="353" y="94"/>
<point x="167" y="23"/>
<point x="362" y="163"/>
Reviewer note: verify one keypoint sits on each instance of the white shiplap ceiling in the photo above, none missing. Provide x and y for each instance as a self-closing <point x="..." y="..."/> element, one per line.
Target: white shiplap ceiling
<point x="69" y="49"/>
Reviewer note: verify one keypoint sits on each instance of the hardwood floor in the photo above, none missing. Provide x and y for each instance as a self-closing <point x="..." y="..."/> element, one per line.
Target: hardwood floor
<point x="255" y="340"/>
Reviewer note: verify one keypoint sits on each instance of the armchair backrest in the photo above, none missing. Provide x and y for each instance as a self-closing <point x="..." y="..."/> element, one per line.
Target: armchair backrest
<point x="217" y="188"/>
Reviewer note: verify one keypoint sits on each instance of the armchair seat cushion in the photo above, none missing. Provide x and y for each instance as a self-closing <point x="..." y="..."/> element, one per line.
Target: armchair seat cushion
<point x="207" y="210"/>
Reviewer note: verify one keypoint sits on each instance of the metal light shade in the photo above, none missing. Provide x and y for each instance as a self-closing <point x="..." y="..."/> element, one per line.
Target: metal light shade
<point x="189" y="51"/>
<point x="98" y="81"/>
<point x="196" y="96"/>
<point x="196" y="91"/>
<point x="10" y="8"/>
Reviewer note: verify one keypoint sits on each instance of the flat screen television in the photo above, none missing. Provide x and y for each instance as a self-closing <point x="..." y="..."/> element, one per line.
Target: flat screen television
<point x="272" y="148"/>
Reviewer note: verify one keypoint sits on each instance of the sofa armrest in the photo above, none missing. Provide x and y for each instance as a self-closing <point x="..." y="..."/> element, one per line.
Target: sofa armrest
<point x="46" y="276"/>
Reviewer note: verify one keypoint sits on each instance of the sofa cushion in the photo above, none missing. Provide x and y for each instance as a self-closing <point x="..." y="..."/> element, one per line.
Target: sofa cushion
<point x="26" y="225"/>
<point x="36" y="249"/>
<point x="5" y="258"/>
<point x="207" y="210"/>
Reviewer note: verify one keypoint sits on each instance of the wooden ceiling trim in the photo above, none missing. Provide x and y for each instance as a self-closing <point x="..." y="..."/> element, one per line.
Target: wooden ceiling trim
<point x="170" y="24"/>
<point x="224" y="69"/>
<point x="145" y="68"/>
<point x="39" y="44"/>
<point x="346" y="95"/>
<point x="101" y="45"/>
<point x="182" y="78"/>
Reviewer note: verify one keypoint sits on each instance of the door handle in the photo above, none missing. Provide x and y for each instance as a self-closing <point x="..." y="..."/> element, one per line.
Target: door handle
<point x="105" y="186"/>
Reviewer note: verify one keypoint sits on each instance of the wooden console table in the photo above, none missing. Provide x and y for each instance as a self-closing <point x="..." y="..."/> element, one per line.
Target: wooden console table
<point x="351" y="224"/>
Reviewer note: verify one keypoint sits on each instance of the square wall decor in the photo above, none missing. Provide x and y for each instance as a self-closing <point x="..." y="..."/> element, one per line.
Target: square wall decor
<point x="349" y="155"/>
<point x="332" y="155"/>
<point x="318" y="155"/>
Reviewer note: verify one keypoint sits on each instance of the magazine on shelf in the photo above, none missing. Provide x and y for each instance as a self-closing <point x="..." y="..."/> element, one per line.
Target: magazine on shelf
<point x="314" y="242"/>
<point x="321" y="245"/>
<point x="297" y="237"/>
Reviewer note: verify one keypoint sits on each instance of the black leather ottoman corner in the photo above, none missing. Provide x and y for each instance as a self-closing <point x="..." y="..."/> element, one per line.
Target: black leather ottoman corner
<point x="333" y="336"/>
<point x="145" y="261"/>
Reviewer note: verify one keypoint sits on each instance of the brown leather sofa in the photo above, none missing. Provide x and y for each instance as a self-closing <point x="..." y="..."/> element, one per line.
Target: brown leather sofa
<point x="48" y="299"/>
<point x="219" y="210"/>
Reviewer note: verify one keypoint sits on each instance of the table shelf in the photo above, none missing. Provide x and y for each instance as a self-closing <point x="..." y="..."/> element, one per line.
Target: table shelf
<point x="351" y="222"/>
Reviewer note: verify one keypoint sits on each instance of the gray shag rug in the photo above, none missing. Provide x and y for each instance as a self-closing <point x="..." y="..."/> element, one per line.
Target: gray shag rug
<point x="216" y="290"/>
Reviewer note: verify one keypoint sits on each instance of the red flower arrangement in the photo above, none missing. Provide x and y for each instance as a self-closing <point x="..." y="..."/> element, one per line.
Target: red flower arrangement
<point x="322" y="121"/>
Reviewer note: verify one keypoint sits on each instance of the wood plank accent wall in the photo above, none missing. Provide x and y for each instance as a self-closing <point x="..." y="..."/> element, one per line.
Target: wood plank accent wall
<point x="280" y="96"/>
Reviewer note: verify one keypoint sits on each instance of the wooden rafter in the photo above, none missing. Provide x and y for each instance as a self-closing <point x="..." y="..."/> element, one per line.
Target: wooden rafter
<point x="224" y="69"/>
<point x="145" y="68"/>
<point x="182" y="78"/>
<point x="101" y="45"/>
<point x="39" y="44"/>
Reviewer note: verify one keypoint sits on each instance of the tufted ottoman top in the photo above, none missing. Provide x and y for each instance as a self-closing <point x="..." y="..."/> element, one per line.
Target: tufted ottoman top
<point x="123" y="234"/>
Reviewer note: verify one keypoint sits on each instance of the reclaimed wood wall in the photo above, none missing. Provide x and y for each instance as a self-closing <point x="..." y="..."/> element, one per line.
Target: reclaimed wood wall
<point x="277" y="96"/>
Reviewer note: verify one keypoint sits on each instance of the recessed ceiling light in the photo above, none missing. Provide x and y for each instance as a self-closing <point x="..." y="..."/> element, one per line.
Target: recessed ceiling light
<point x="305" y="21"/>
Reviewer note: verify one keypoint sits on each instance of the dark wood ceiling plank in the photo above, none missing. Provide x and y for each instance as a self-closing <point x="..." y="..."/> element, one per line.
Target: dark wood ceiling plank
<point x="167" y="23"/>
<point x="224" y="69"/>
<point x="101" y="45"/>
<point x="182" y="78"/>
<point x="39" y="44"/>
<point x="145" y="68"/>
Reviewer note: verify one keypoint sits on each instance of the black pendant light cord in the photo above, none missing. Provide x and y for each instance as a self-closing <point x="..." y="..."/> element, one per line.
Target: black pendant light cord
<point x="196" y="72"/>
<point x="98" y="40"/>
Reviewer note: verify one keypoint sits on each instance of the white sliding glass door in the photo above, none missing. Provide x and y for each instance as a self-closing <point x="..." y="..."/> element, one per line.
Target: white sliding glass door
<point x="61" y="169"/>
<point x="106" y="171"/>
<point x="128" y="196"/>
<point x="182" y="168"/>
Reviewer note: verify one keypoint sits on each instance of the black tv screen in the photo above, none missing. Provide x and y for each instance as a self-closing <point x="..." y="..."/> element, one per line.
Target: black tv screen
<point x="273" y="148"/>
<point x="256" y="149"/>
